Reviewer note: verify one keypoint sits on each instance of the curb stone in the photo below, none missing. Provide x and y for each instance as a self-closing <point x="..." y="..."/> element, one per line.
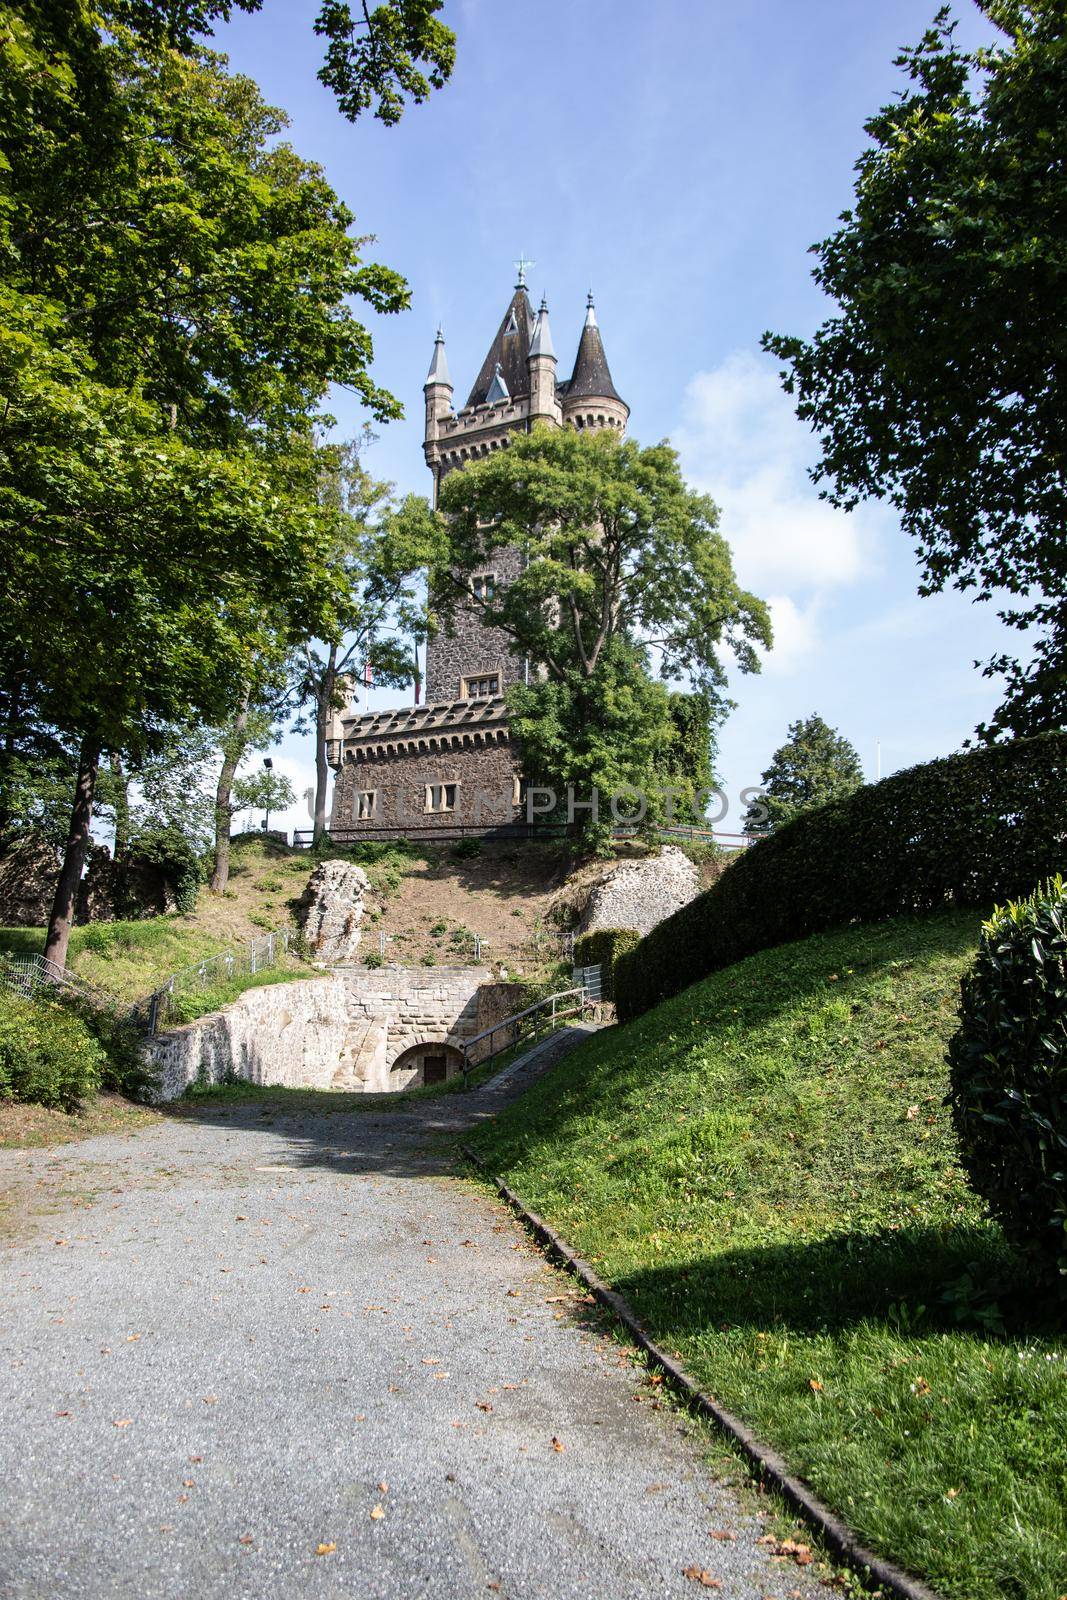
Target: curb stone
<point x="873" y="1570"/>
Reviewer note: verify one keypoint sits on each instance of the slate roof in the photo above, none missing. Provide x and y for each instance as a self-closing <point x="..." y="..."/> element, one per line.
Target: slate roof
<point x="592" y="375"/>
<point x="510" y="347"/>
<point x="445" y="716"/>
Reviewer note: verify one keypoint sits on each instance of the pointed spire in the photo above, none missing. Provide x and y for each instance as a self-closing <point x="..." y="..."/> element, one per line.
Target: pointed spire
<point x="541" y="343"/>
<point x="438" y="372"/>
<point x="498" y="389"/>
<point x="592" y="375"/>
<point x="510" y="348"/>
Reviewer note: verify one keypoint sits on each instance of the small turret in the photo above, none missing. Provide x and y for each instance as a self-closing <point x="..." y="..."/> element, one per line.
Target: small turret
<point x="438" y="392"/>
<point x="590" y="399"/>
<point x="541" y="361"/>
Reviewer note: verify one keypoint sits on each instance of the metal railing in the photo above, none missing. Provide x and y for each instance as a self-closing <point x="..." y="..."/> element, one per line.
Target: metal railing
<point x="577" y="1000"/>
<point x="155" y="1010"/>
<point x="33" y="975"/>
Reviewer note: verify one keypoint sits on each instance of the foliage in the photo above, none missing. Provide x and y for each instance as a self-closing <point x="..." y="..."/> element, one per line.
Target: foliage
<point x="382" y="60"/>
<point x="602" y="948"/>
<point x="939" y="383"/>
<point x="262" y="790"/>
<point x="966" y="830"/>
<point x="815" y="765"/>
<point x="765" y="1167"/>
<point x="376" y="550"/>
<point x="624" y="567"/>
<point x="1009" y="1074"/>
<point x="170" y="850"/>
<point x="47" y="1054"/>
<point x="125" y="1068"/>
<point x="615" y="546"/>
<point x="189" y="1004"/>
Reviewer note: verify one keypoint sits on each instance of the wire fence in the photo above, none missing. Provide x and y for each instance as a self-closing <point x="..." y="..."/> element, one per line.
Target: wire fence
<point x="35" y="975"/>
<point x="164" y="1004"/>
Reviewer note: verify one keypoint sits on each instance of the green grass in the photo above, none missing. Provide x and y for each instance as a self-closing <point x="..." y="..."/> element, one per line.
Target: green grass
<point x="765" y="1167"/>
<point x="128" y="959"/>
<point x="189" y="1004"/>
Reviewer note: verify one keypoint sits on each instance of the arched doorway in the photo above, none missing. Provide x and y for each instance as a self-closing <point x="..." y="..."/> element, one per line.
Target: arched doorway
<point x="429" y="1062"/>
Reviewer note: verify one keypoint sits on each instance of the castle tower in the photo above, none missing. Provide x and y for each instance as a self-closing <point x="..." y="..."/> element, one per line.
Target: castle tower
<point x="424" y="761"/>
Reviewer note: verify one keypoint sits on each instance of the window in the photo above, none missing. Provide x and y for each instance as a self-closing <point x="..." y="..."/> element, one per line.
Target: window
<point x="481" y="687"/>
<point x="441" y="796"/>
<point x="366" y="805"/>
<point x="483" y="585"/>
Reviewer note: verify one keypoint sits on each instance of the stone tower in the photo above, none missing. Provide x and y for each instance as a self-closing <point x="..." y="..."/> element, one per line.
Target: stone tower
<point x="420" y="769"/>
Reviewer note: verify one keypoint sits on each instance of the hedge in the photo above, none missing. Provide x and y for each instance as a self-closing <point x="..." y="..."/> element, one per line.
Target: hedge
<point x="968" y="830"/>
<point x="47" y="1054"/>
<point x="1009" y="1075"/>
<point x="603" y="948"/>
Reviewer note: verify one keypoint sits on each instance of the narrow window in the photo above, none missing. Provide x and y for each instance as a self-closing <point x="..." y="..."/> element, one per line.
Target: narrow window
<point x="366" y="805"/>
<point x="483" y="585"/>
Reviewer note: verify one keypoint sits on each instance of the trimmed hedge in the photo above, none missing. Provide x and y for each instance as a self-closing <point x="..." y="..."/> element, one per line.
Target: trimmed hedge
<point x="1009" y="1075"/>
<point x="968" y="830"/>
<point x="604" y="947"/>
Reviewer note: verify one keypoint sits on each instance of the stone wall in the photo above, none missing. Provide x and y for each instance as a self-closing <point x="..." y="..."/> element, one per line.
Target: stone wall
<point x="400" y="780"/>
<point x="291" y="1034"/>
<point x="470" y="647"/>
<point x="346" y="1031"/>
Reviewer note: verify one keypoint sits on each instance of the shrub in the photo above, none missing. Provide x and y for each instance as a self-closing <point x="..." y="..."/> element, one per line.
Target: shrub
<point x="1009" y="1074"/>
<point x="971" y="829"/>
<point x="47" y="1053"/>
<point x="467" y="850"/>
<point x="374" y="960"/>
<point x="603" y="947"/>
<point x="125" y="1067"/>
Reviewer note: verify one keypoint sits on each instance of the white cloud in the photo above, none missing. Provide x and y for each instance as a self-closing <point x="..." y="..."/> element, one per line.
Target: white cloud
<point x="796" y="632"/>
<point x="740" y="442"/>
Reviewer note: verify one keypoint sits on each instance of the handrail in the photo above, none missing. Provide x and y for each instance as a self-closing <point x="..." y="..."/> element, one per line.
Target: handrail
<point x="583" y="1003"/>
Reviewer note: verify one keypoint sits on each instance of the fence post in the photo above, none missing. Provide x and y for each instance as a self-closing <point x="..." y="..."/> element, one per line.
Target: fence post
<point x="252" y="960"/>
<point x="270" y="949"/>
<point x="477" y="947"/>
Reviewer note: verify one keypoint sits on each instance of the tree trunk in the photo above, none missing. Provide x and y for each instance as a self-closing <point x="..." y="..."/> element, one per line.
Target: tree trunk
<point x="233" y="750"/>
<point x="81" y="815"/>
<point x="122" y="806"/>
<point x="323" y="710"/>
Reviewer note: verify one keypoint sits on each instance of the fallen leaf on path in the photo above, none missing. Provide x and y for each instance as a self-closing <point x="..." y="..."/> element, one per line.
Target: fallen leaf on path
<point x="326" y="1549"/>
<point x="383" y="1487"/>
<point x="722" y="1534"/>
<point x="702" y="1576"/>
<point x="122" y="1422"/>
<point x="195" y="1460"/>
<point x="246" y="1538"/>
<point x="557" y="1444"/>
<point x="484" y="1405"/>
<point x="63" y="1413"/>
<point x="211" y="1399"/>
<point x="377" y="1514"/>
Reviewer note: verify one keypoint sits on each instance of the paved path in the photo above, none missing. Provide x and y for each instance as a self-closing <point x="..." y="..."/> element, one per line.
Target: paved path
<point x="240" y="1340"/>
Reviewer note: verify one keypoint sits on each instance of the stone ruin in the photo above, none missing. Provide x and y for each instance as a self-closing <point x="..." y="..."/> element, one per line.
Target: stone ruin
<point x="330" y="911"/>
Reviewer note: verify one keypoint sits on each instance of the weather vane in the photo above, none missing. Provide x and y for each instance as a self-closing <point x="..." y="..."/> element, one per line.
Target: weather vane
<point x="521" y="266"/>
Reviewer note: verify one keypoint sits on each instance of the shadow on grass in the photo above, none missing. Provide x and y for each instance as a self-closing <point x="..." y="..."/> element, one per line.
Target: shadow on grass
<point x="915" y="1281"/>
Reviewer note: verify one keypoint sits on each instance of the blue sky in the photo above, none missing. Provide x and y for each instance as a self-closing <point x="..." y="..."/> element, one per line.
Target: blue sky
<point x="679" y="157"/>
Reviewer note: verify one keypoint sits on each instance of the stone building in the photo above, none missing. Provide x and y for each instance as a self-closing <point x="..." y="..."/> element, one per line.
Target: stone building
<point x="451" y="764"/>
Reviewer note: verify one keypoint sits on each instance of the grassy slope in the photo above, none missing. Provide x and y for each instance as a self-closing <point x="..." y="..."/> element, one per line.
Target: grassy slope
<point x="766" y="1169"/>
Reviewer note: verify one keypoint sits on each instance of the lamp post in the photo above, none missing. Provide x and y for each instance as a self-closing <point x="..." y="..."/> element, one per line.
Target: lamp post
<point x="268" y="767"/>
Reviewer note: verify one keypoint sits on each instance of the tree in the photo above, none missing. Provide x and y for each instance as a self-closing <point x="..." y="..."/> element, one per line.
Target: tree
<point x="941" y="382"/>
<point x="372" y="55"/>
<point x="157" y="385"/>
<point x="376" y="549"/>
<point x="815" y="765"/>
<point x="625" y="579"/>
<point x="265" y="790"/>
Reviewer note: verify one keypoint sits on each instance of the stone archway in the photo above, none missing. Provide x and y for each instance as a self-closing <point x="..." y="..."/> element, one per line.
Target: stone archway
<point x="431" y="1061"/>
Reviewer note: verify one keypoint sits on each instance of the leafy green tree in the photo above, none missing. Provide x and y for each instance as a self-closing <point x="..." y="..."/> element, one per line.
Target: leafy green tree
<point x="265" y="790"/>
<point x="939" y="384"/>
<point x="815" y="765"/>
<point x="374" y="55"/>
<point x="157" y="390"/>
<point x="624" y="570"/>
<point x="377" y="549"/>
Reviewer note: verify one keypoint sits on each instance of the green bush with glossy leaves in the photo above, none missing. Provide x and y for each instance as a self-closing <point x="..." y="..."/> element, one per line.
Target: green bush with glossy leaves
<point x="1009" y="1075"/>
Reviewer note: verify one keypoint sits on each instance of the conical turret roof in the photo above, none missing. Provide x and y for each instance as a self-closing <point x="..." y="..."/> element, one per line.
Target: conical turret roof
<point x="509" y="349"/>
<point x="592" y="375"/>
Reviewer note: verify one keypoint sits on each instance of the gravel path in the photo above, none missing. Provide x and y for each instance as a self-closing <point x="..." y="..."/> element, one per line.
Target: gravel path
<point x="264" y="1354"/>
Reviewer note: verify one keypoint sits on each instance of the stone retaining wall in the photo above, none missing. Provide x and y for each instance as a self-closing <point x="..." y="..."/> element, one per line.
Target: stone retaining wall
<point x="345" y="1031"/>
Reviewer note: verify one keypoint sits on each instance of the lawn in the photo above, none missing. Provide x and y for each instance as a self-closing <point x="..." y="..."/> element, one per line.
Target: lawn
<point x="765" y="1167"/>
